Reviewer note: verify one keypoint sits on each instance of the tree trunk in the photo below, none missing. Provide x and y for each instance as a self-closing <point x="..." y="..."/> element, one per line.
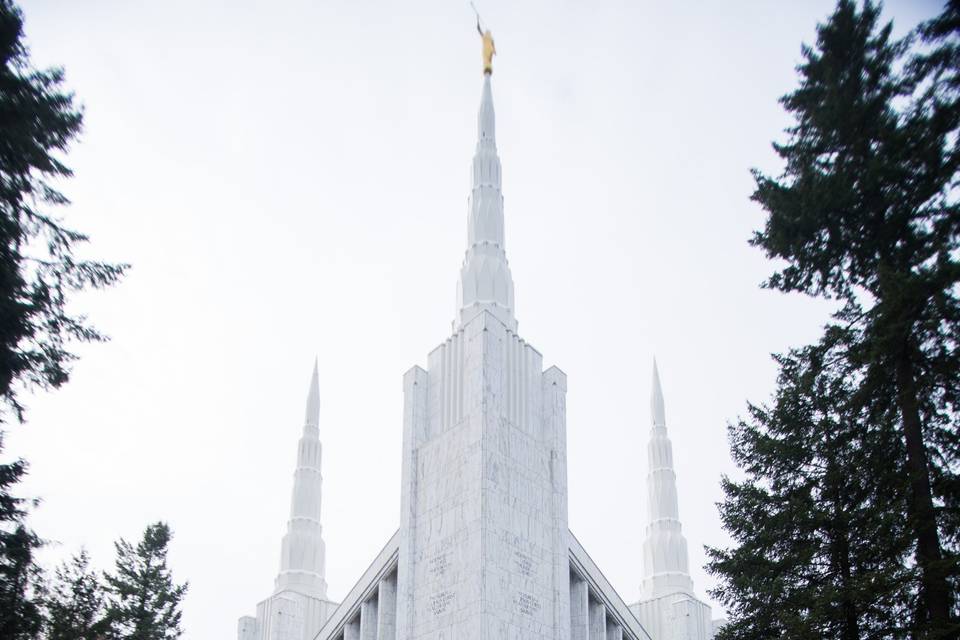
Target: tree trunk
<point x="935" y="590"/>
<point x="851" y="620"/>
<point x="839" y="534"/>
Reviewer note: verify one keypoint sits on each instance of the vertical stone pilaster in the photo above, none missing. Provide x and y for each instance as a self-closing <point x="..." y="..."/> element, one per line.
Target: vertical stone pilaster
<point x="597" y="620"/>
<point x="247" y="628"/>
<point x="554" y="425"/>
<point x="352" y="630"/>
<point x="369" y="619"/>
<point x="579" y="607"/>
<point x="387" y="609"/>
<point x="415" y="426"/>
<point x="614" y="631"/>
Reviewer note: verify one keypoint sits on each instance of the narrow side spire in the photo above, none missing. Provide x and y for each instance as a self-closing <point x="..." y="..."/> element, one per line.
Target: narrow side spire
<point x="657" y="413"/>
<point x="313" y="398"/>
<point x="303" y="554"/>
<point x="485" y="279"/>
<point x="665" y="561"/>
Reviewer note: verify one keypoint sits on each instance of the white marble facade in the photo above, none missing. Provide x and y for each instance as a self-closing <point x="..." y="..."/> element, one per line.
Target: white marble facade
<point x="483" y="550"/>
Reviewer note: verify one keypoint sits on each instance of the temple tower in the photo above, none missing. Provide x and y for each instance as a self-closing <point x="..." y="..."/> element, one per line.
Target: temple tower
<point x="303" y="554"/>
<point x="299" y="606"/>
<point x="483" y="546"/>
<point x="668" y="608"/>
<point x="665" y="560"/>
<point x="483" y="551"/>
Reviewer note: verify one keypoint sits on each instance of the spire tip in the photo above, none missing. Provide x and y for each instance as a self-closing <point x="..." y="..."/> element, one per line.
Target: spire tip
<point x="657" y="413"/>
<point x="313" y="396"/>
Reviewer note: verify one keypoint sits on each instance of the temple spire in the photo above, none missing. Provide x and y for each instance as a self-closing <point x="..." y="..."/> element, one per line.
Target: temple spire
<point x="486" y="283"/>
<point x="657" y="416"/>
<point x="313" y="398"/>
<point x="303" y="554"/>
<point x="665" y="560"/>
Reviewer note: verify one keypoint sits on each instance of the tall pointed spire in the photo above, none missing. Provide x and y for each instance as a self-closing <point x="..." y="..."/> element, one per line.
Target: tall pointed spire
<point x="303" y="554"/>
<point x="657" y="417"/>
<point x="313" y="398"/>
<point x="485" y="279"/>
<point x="665" y="560"/>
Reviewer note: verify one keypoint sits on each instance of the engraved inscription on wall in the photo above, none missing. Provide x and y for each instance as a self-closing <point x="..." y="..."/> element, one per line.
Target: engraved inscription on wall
<point x="442" y="602"/>
<point x="437" y="565"/>
<point x="523" y="563"/>
<point x="527" y="604"/>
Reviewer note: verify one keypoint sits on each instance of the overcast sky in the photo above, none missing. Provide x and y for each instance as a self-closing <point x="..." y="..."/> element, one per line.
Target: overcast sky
<point x="289" y="180"/>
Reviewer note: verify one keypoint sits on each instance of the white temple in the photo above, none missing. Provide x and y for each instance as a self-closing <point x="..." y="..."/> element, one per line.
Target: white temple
<point x="483" y="550"/>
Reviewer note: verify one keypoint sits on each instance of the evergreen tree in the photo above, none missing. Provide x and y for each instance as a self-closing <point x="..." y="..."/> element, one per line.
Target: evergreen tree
<point x="821" y="546"/>
<point x="866" y="212"/>
<point x="20" y="616"/>
<point x="143" y="600"/>
<point x="936" y="71"/>
<point x="74" y="603"/>
<point x="38" y="272"/>
<point x="38" y="268"/>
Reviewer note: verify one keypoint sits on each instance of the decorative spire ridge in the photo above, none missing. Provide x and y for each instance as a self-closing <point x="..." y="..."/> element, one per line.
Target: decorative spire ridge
<point x="486" y="283"/>
<point x="665" y="561"/>
<point x="303" y="554"/>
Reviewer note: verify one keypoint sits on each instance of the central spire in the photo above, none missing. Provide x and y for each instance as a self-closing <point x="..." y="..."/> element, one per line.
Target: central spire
<point x="486" y="283"/>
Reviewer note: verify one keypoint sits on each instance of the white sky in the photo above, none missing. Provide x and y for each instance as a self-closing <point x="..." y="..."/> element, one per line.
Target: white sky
<point x="289" y="178"/>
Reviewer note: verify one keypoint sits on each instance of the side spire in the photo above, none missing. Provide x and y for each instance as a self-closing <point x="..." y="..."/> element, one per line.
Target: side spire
<point x="486" y="283"/>
<point x="313" y="398"/>
<point x="303" y="553"/>
<point x="665" y="561"/>
<point x="657" y="414"/>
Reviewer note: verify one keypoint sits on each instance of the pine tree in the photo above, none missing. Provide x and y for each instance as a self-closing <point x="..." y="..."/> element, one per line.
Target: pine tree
<point x="38" y="268"/>
<point x="20" y="616"/>
<point x="821" y="548"/>
<point x="38" y="273"/>
<point x="936" y="71"/>
<point x="75" y="602"/>
<point x="866" y="212"/>
<point x="143" y="600"/>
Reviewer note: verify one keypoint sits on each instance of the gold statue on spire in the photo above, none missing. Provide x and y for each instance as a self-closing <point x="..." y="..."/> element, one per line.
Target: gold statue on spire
<point x="489" y="50"/>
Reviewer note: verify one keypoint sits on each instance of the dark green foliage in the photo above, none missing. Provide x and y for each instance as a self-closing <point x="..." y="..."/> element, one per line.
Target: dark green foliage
<point x="38" y="268"/>
<point x="38" y="272"/>
<point x="20" y="616"/>
<point x="821" y="548"/>
<point x="75" y="602"/>
<point x="143" y="601"/>
<point x="866" y="213"/>
<point x="936" y="71"/>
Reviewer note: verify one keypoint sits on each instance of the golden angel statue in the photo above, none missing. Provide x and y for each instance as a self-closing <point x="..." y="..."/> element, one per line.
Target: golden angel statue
<point x="489" y="50"/>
